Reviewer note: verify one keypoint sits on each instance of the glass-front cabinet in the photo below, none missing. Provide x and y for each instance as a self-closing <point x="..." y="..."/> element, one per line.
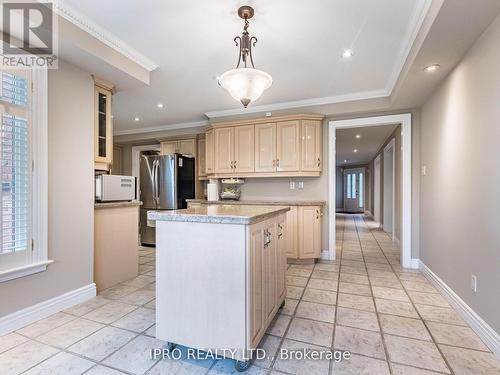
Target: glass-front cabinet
<point x="103" y="146"/>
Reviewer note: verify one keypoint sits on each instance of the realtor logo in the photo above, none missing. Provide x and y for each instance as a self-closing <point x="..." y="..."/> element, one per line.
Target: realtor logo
<point x="29" y="36"/>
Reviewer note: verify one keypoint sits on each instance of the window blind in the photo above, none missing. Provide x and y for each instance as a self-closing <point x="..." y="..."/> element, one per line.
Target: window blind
<point x="15" y="166"/>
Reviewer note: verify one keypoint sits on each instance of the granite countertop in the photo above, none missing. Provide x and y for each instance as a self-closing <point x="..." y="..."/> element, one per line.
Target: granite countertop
<point x="117" y="204"/>
<point x="260" y="203"/>
<point x="219" y="214"/>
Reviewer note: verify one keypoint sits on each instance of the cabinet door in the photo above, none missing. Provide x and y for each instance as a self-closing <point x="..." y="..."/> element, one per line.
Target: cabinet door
<point x="291" y="243"/>
<point x="311" y="146"/>
<point x="103" y="128"/>
<point x="201" y="158"/>
<point x="169" y="147"/>
<point x="244" y="148"/>
<point x="265" y="147"/>
<point x="209" y="151"/>
<point x="281" y="234"/>
<point x="116" y="167"/>
<point x="224" y="150"/>
<point x="309" y="232"/>
<point x="270" y="276"/>
<point x="187" y="147"/>
<point x="288" y="146"/>
<point x="256" y="283"/>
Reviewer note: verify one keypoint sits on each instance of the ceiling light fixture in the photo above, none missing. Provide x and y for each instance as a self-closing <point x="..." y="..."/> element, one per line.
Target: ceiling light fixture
<point x="160" y="105"/>
<point x="358" y="136"/>
<point x="245" y="84"/>
<point x="432" y="68"/>
<point x="355" y="150"/>
<point x="347" y="54"/>
<point x="137" y="119"/>
<point x="345" y="160"/>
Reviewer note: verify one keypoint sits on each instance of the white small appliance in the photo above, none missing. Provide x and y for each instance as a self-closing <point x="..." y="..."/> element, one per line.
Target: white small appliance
<point x="113" y="188"/>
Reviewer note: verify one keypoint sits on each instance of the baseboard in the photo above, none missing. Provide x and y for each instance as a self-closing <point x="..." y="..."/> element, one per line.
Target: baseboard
<point x="43" y="309"/>
<point x="368" y="214"/>
<point x="482" y="329"/>
<point x="325" y="255"/>
<point x="415" y="263"/>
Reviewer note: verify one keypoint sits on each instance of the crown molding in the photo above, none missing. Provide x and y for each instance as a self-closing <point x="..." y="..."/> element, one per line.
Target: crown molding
<point x="420" y="12"/>
<point x="300" y="103"/>
<point x="74" y="16"/>
<point x="161" y="128"/>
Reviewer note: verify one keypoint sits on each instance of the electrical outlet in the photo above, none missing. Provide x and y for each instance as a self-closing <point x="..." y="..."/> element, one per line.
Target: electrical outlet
<point x="292" y="185"/>
<point x="301" y="185"/>
<point x="473" y="283"/>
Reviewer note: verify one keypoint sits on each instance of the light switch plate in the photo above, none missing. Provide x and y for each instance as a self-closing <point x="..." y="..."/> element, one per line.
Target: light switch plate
<point x="424" y="170"/>
<point x="473" y="283"/>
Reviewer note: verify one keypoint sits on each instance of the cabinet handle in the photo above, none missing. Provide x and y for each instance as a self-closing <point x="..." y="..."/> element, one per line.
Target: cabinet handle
<point x="317" y="214"/>
<point x="235" y="164"/>
<point x="277" y="162"/>
<point x="274" y="163"/>
<point x="319" y="162"/>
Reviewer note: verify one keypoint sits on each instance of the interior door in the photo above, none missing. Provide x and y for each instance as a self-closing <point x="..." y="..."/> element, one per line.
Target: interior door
<point x="354" y="192"/>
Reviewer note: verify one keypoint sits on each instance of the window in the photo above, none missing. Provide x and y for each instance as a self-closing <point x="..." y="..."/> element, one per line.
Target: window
<point x="23" y="173"/>
<point x="349" y="196"/>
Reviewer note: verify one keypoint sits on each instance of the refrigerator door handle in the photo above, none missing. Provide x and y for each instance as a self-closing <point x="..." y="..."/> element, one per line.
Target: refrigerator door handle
<point x="157" y="188"/>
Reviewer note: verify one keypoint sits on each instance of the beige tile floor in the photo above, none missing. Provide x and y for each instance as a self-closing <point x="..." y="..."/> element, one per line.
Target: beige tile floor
<point x="392" y="321"/>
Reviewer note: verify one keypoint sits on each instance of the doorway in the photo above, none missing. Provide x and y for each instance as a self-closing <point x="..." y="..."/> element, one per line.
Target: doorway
<point x="389" y="189"/>
<point x="405" y="120"/>
<point x="376" y="190"/>
<point x="354" y="192"/>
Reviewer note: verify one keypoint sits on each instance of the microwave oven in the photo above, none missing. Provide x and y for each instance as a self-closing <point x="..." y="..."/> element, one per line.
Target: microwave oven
<point x="113" y="188"/>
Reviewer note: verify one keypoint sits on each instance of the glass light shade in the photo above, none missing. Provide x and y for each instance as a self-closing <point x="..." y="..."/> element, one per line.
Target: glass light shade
<point x="245" y="84"/>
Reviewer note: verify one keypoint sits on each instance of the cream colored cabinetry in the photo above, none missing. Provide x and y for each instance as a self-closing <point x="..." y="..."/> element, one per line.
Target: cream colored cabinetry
<point x="291" y="241"/>
<point x="244" y="149"/>
<point x="309" y="232"/>
<point x="233" y="149"/>
<point x="117" y="165"/>
<point x="201" y="158"/>
<point x="267" y="274"/>
<point x="224" y="150"/>
<point x="103" y="128"/>
<point x="311" y="146"/>
<point x="286" y="147"/>
<point x="209" y="152"/>
<point x="181" y="146"/>
<point x="265" y="147"/>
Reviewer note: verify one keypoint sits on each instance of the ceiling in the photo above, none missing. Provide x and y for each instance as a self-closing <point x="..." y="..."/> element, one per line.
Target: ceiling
<point x="372" y="139"/>
<point x="300" y="45"/>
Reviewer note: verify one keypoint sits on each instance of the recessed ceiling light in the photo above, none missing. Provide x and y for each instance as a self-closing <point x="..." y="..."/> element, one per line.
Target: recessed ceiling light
<point x="358" y="136"/>
<point x="160" y="105"/>
<point x="355" y="150"/>
<point x="137" y="119"/>
<point x="345" y="160"/>
<point x="432" y="68"/>
<point x="347" y="54"/>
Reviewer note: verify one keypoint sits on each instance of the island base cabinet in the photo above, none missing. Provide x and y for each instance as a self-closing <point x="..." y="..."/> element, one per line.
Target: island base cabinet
<point x="221" y="286"/>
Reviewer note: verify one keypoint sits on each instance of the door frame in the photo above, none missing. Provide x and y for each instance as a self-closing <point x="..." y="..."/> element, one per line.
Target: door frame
<point x="391" y="145"/>
<point x="363" y="169"/>
<point x="376" y="197"/>
<point x="136" y="163"/>
<point x="405" y="120"/>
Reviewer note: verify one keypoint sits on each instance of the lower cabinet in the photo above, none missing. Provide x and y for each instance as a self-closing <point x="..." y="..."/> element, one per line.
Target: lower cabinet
<point x="267" y="274"/>
<point x="303" y="232"/>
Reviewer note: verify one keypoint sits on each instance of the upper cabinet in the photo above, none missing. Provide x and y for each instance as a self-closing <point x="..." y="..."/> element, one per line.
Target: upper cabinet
<point x="103" y="128"/>
<point x="286" y="147"/>
<point x="201" y="158"/>
<point x="179" y="146"/>
<point x="311" y="146"/>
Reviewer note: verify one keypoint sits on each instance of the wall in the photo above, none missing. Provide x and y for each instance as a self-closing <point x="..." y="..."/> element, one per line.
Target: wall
<point x="71" y="193"/>
<point x="339" y="188"/>
<point x="459" y="193"/>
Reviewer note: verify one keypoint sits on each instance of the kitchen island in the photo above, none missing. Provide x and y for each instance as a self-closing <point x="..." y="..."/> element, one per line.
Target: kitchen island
<point x="220" y="276"/>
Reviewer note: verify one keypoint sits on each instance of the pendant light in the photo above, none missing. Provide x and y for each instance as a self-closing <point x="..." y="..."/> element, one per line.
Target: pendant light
<point x="245" y="84"/>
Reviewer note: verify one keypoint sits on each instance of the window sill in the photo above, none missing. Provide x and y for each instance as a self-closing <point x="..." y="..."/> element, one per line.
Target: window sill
<point x="26" y="270"/>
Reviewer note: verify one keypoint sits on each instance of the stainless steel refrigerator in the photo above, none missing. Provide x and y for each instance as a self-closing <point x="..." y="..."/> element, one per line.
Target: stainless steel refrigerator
<point x="166" y="182"/>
